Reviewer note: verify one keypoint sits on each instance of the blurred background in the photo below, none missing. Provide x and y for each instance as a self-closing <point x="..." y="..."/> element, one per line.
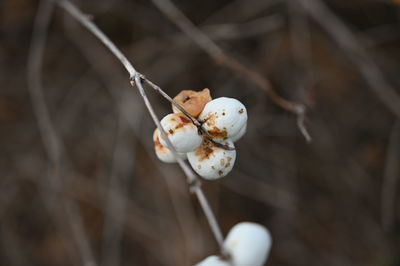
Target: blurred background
<point x="103" y="198"/>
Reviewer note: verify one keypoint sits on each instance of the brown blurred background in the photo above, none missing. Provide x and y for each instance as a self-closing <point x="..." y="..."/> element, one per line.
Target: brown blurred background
<point x="333" y="201"/>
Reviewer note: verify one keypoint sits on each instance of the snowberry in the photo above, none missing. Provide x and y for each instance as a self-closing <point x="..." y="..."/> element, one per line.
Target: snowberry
<point x="212" y="162"/>
<point x="213" y="261"/>
<point x="248" y="244"/>
<point x="192" y="101"/>
<point x="162" y="152"/>
<point x="182" y="133"/>
<point x="240" y="134"/>
<point x="223" y="118"/>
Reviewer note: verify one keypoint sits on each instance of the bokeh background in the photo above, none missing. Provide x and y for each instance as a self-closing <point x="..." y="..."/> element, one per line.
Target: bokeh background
<point x="109" y="201"/>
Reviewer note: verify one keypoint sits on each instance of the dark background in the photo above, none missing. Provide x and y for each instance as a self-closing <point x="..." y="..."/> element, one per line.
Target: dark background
<point x="329" y="202"/>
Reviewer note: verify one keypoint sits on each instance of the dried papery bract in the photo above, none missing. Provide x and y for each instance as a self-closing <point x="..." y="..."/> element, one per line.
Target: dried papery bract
<point x="223" y="118"/>
<point x="192" y="101"/>
<point x="213" y="261"/>
<point x="182" y="133"/>
<point x="248" y="244"/>
<point x="212" y="162"/>
<point x="162" y="152"/>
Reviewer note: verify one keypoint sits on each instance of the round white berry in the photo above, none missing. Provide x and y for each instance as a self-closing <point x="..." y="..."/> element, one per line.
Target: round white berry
<point x="212" y="162"/>
<point x="213" y="261"/>
<point x="163" y="153"/>
<point x="182" y="133"/>
<point x="248" y="244"/>
<point x="223" y="117"/>
<point x="240" y="134"/>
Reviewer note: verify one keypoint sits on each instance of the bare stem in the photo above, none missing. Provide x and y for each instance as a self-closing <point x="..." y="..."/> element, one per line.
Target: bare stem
<point x="77" y="14"/>
<point x="84" y="20"/>
<point x="221" y="57"/>
<point x="355" y="52"/>
<point x="194" y="120"/>
<point x="136" y="80"/>
<point x="390" y="179"/>
<point x="51" y="141"/>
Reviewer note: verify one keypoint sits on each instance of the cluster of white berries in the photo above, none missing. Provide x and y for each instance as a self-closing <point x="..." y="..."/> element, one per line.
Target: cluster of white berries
<point x="212" y="156"/>
<point x="248" y="244"/>
<point x="225" y="121"/>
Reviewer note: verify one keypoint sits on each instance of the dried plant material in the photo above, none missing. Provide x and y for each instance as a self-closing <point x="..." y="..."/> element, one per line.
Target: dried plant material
<point x="182" y="133"/>
<point x="212" y="162"/>
<point x="192" y="101"/>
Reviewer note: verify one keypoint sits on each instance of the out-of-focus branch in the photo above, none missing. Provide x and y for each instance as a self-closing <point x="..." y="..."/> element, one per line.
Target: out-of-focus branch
<point x="121" y="168"/>
<point x="67" y="5"/>
<point x="390" y="178"/>
<point x="356" y="53"/>
<point x="221" y="57"/>
<point x="35" y="62"/>
<point x="50" y="139"/>
<point x="136" y="81"/>
<point x="249" y="29"/>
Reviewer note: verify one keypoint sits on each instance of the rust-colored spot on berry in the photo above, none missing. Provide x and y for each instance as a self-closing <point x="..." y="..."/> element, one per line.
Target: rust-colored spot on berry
<point x="241" y="111"/>
<point x="158" y="144"/>
<point x="218" y="133"/>
<point x="227" y="165"/>
<point x="210" y="120"/>
<point x="171" y="131"/>
<point x="229" y="159"/>
<point x="184" y="119"/>
<point x="223" y="113"/>
<point x="212" y="166"/>
<point x="220" y="172"/>
<point x="222" y="162"/>
<point x="205" y="150"/>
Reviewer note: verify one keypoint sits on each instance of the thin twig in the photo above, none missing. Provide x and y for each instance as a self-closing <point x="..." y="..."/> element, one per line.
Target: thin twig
<point x="84" y="20"/>
<point x="254" y="27"/>
<point x="221" y="57"/>
<point x="390" y="178"/>
<point x="116" y="206"/>
<point x="132" y="112"/>
<point x="50" y="139"/>
<point x="136" y="80"/>
<point x="194" y="120"/>
<point x="356" y="53"/>
<point x="195" y="183"/>
<point x="35" y="61"/>
<point x="67" y="5"/>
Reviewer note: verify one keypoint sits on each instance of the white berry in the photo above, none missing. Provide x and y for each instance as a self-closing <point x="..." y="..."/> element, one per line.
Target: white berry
<point x="240" y="134"/>
<point x="223" y="118"/>
<point x="182" y="133"/>
<point x="248" y="244"/>
<point x="163" y="153"/>
<point x="213" y="261"/>
<point x="212" y="162"/>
